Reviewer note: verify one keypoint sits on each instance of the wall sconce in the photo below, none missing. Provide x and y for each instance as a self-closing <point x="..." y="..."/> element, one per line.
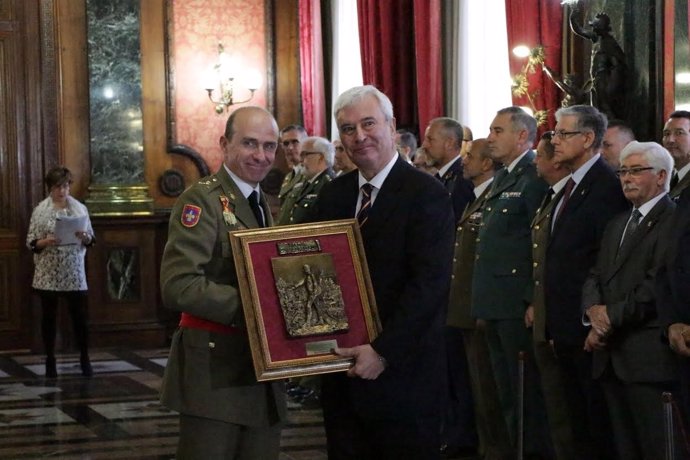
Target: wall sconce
<point x="225" y="76"/>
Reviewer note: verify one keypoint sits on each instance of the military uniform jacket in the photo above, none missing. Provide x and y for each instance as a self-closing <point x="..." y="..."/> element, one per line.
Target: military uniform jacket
<point x="502" y="278"/>
<point x="211" y="374"/>
<point x="299" y="204"/>
<point x="624" y="280"/>
<point x="291" y="179"/>
<point x="541" y="230"/>
<point x="460" y="301"/>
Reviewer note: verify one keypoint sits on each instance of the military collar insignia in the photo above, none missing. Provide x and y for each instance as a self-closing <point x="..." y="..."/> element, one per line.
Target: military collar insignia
<point x="190" y="215"/>
<point x="228" y="208"/>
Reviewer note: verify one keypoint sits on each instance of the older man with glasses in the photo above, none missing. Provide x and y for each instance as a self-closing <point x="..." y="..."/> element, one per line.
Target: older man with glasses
<point x="590" y="198"/>
<point x="633" y="366"/>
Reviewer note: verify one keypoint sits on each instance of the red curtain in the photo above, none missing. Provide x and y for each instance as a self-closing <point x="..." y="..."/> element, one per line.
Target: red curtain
<point x="386" y="37"/>
<point x="311" y="67"/>
<point x="532" y="23"/>
<point x="427" y="27"/>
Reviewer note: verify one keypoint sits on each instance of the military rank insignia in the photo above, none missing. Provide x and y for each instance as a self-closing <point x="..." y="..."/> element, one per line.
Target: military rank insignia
<point x="190" y="215"/>
<point x="228" y="215"/>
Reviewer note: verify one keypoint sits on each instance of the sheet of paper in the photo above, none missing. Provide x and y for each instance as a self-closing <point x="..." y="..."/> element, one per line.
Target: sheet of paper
<point x="66" y="229"/>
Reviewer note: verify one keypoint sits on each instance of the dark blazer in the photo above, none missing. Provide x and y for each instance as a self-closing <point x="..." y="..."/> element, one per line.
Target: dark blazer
<point x="623" y="280"/>
<point x="680" y="187"/>
<point x="673" y="286"/>
<point x="573" y="248"/>
<point x="408" y="241"/>
<point x="460" y="302"/>
<point x="541" y="231"/>
<point x="210" y="374"/>
<point x="461" y="190"/>
<point x="502" y="279"/>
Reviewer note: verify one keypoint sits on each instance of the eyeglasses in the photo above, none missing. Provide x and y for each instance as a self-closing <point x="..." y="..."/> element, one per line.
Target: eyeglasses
<point x="563" y="135"/>
<point x="634" y="172"/>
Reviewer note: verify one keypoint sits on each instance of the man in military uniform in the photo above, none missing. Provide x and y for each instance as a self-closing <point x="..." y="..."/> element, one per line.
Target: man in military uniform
<point x="317" y="162"/>
<point x="501" y="281"/>
<point x="209" y="379"/>
<point x="556" y="176"/>
<point x="478" y="167"/>
<point x="291" y="138"/>
<point x="677" y="141"/>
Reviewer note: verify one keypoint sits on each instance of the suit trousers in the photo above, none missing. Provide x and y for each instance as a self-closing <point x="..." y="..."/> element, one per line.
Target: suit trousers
<point x="585" y="403"/>
<point x="506" y="338"/>
<point x="458" y="423"/>
<point x="637" y="417"/>
<point x="206" y="439"/>
<point x="494" y="442"/>
<point x="552" y="383"/>
<point x="351" y="435"/>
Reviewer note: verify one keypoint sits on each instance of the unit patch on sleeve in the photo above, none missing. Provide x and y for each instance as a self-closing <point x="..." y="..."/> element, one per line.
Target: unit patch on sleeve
<point x="190" y="215"/>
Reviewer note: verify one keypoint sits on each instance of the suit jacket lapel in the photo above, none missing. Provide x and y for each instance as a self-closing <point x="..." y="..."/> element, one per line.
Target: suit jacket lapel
<point x="387" y="199"/>
<point x="580" y="193"/>
<point x="645" y="226"/>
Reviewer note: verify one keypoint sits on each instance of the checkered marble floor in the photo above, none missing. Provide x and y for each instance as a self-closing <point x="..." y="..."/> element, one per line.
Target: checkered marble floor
<point x="114" y="414"/>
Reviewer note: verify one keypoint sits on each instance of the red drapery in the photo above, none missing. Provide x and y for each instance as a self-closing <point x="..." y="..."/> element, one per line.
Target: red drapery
<point x="400" y="41"/>
<point x="532" y="23"/>
<point x="311" y="67"/>
<point x="386" y="37"/>
<point x="427" y="27"/>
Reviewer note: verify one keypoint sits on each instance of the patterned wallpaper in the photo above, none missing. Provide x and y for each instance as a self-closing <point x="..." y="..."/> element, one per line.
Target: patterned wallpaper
<point x="197" y="27"/>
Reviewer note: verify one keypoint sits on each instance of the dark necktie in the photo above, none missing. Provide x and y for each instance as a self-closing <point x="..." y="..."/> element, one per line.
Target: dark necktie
<point x="569" y="186"/>
<point x="633" y="223"/>
<point x="253" y="199"/>
<point x="365" y="205"/>
<point x="674" y="179"/>
<point x="547" y="198"/>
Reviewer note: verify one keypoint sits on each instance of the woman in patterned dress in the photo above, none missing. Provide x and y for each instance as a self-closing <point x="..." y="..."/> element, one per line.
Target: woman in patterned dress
<point x="59" y="268"/>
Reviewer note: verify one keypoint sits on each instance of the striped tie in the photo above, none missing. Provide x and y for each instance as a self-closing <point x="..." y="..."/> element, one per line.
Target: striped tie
<point x="365" y="205"/>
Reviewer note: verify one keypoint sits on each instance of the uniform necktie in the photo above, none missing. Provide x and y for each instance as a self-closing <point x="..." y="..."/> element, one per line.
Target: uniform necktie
<point x="547" y="198"/>
<point x="253" y="199"/>
<point x="633" y="223"/>
<point x="569" y="186"/>
<point x="365" y="205"/>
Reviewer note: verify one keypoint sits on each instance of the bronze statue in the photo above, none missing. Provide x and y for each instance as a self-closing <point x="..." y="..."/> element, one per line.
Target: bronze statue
<point x="571" y="84"/>
<point x="608" y="69"/>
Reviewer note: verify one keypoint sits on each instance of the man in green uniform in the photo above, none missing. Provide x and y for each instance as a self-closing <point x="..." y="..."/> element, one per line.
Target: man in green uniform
<point x="209" y="379"/>
<point x="317" y="163"/>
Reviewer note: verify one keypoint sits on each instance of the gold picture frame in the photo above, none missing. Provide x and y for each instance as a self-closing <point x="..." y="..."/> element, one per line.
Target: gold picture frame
<point x="305" y="290"/>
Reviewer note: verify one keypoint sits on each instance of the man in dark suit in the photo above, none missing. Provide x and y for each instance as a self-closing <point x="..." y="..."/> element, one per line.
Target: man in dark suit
<point x="673" y="297"/>
<point x="442" y="145"/>
<point x="501" y="281"/>
<point x="677" y="141"/>
<point x="317" y="161"/>
<point x="618" y="297"/>
<point x="591" y="197"/>
<point x="535" y="317"/>
<point x="388" y="404"/>
<point x="494" y="443"/>
<point x="209" y="379"/>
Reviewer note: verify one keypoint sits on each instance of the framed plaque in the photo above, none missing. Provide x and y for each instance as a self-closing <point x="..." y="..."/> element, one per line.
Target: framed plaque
<point x="305" y="290"/>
